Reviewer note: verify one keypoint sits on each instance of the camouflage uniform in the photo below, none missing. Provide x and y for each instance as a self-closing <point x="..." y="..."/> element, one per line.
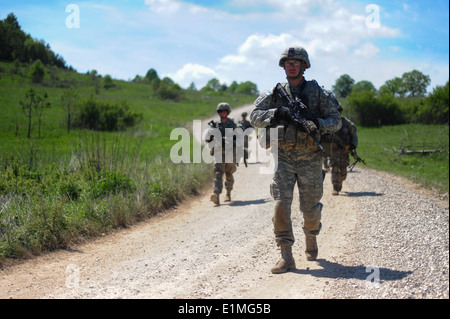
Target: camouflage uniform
<point x="245" y="124"/>
<point x="344" y="140"/>
<point x="224" y="168"/>
<point x="299" y="159"/>
<point x="221" y="167"/>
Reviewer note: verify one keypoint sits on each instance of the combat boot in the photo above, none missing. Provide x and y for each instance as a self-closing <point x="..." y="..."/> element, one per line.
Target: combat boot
<point x="286" y="262"/>
<point x="228" y="196"/>
<point x="311" y="247"/>
<point x="215" y="199"/>
<point x="336" y="189"/>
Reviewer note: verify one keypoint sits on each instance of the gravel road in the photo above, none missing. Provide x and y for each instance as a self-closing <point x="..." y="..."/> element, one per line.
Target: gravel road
<point x="382" y="237"/>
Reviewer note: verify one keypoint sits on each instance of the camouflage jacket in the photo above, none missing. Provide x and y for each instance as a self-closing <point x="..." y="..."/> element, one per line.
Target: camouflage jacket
<point x="322" y="104"/>
<point x="346" y="135"/>
<point x="221" y="127"/>
<point x="244" y="124"/>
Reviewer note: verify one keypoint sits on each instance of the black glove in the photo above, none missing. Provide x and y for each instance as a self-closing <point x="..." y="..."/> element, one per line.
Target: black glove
<point x="283" y="113"/>
<point x="317" y="123"/>
<point x="352" y="147"/>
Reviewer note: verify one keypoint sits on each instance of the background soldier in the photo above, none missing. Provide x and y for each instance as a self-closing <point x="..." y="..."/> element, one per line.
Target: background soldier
<point x="344" y="141"/>
<point x="299" y="157"/>
<point x="245" y="124"/>
<point x="221" y="167"/>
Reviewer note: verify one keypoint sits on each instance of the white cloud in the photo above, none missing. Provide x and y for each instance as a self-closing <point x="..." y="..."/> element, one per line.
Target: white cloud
<point x="196" y="73"/>
<point x="367" y="50"/>
<point x="173" y="6"/>
<point x="163" y="6"/>
<point x="191" y="43"/>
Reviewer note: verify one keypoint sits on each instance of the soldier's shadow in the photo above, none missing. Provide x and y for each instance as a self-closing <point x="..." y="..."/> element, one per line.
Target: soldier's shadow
<point x="360" y="194"/>
<point x="335" y="270"/>
<point x="247" y="202"/>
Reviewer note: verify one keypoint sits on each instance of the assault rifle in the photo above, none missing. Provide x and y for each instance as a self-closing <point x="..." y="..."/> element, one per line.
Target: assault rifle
<point x="222" y="132"/>
<point x="297" y="107"/>
<point x="337" y="140"/>
<point x="212" y="123"/>
<point x="357" y="159"/>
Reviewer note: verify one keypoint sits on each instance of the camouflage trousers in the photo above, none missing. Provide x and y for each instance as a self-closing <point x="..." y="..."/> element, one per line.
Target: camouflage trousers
<point x="339" y="161"/>
<point x="307" y="174"/>
<point x="219" y="170"/>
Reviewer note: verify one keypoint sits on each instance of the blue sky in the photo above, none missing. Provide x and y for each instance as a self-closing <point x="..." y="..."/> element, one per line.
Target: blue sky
<point x="241" y="40"/>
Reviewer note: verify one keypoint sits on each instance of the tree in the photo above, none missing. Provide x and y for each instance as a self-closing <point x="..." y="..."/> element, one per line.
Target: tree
<point x="343" y="86"/>
<point x="435" y="108"/>
<point x="233" y="86"/>
<point x="364" y="86"/>
<point x="415" y="83"/>
<point x="212" y="85"/>
<point x="247" y="87"/>
<point x="37" y="72"/>
<point x="368" y="109"/>
<point x="152" y="76"/>
<point x="68" y="100"/>
<point x="394" y="87"/>
<point x="28" y="107"/>
<point x="192" y="87"/>
<point x="32" y="104"/>
<point x="41" y="104"/>
<point x="108" y="82"/>
<point x="16" y="44"/>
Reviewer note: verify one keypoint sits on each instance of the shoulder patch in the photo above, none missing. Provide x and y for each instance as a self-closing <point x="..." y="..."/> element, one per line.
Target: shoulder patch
<point x="265" y="96"/>
<point x="331" y="97"/>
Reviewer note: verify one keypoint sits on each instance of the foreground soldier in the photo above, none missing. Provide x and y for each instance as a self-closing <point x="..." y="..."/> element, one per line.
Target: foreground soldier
<point x="299" y="158"/>
<point x="344" y="141"/>
<point x="221" y="167"/>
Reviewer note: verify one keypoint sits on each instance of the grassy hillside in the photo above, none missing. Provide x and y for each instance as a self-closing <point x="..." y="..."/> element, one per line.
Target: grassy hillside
<point x="64" y="185"/>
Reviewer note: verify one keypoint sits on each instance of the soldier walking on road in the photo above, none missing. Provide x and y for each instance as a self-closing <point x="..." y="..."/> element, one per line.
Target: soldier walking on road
<point x="299" y="157"/>
<point x="245" y="124"/>
<point x="221" y="167"/>
<point x="344" y="141"/>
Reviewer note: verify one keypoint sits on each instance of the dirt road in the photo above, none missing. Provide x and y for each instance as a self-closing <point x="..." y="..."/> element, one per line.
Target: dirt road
<point x="196" y="250"/>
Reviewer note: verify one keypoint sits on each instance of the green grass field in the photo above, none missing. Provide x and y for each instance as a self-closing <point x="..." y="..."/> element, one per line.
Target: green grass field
<point x="380" y="148"/>
<point x="66" y="185"/>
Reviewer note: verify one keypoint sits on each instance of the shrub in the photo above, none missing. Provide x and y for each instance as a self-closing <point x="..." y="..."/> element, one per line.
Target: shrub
<point x="168" y="91"/>
<point x="108" y="82"/>
<point x="101" y="116"/>
<point x="367" y="109"/>
<point x="435" y="108"/>
<point x="112" y="183"/>
<point x="37" y="72"/>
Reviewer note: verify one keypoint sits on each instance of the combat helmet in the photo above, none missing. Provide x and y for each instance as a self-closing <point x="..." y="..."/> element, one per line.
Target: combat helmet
<point x="223" y="106"/>
<point x="295" y="52"/>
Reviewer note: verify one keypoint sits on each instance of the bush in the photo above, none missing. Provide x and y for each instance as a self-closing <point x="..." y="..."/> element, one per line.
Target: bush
<point x="435" y="108"/>
<point x="108" y="82"/>
<point x="112" y="183"/>
<point x="37" y="72"/>
<point x="167" y="91"/>
<point x="100" y="116"/>
<point x="367" y="109"/>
